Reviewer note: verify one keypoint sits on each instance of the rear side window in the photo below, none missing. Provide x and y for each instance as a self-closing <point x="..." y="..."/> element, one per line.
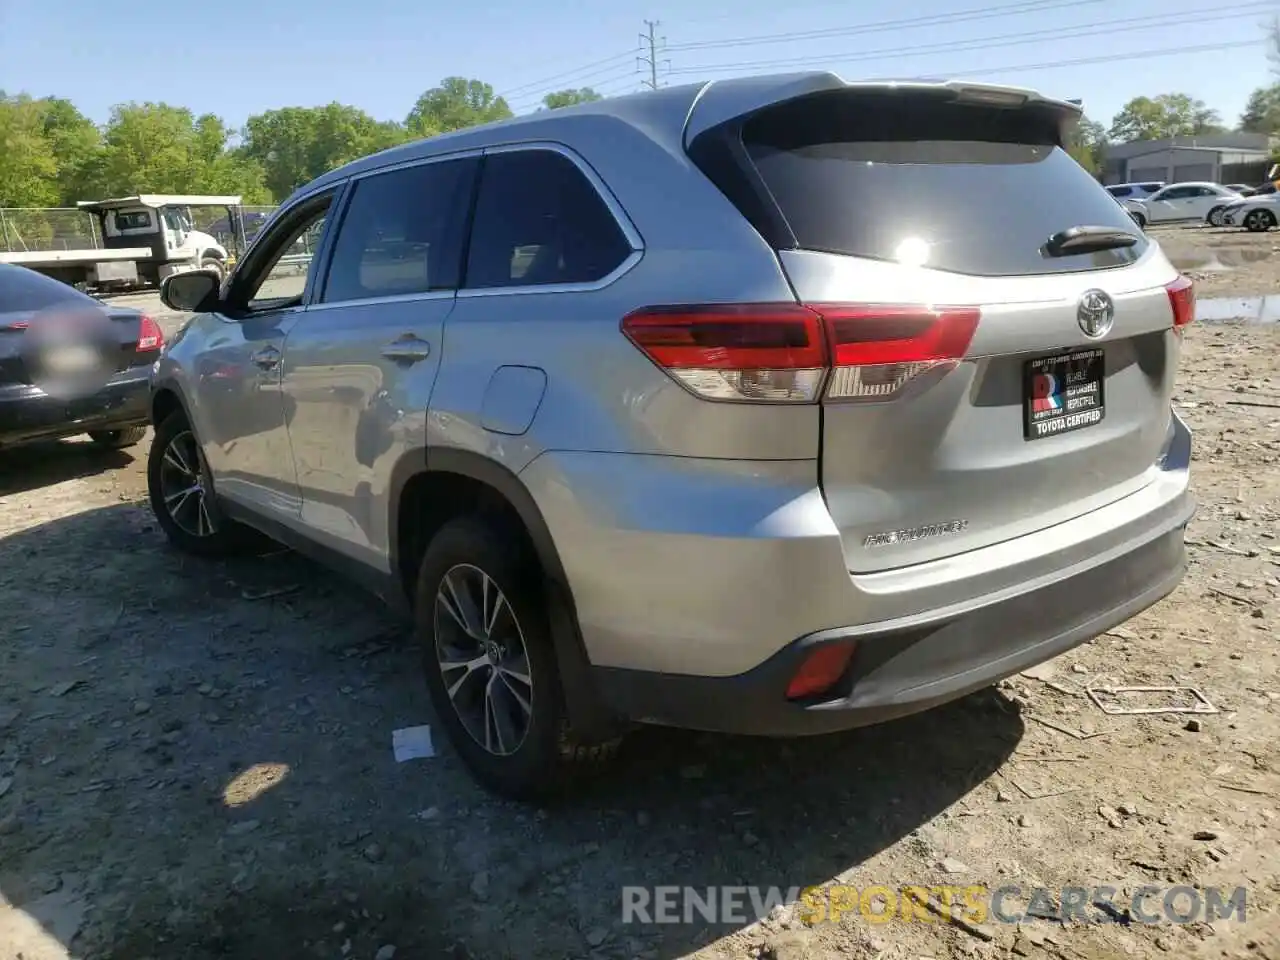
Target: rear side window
<point x="539" y="220"/>
<point x="402" y="233"/>
<point x="966" y="188"/>
<point x="1120" y="191"/>
<point x="23" y="290"/>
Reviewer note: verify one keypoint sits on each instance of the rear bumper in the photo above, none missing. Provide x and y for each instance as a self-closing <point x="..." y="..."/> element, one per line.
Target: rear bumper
<point x="28" y="413"/>
<point x="900" y="672"/>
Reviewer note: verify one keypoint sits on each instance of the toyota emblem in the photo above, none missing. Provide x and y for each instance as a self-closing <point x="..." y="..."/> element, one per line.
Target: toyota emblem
<point x="1095" y="313"/>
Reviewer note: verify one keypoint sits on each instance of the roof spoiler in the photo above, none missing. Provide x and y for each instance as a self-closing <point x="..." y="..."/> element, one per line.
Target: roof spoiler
<point x="723" y="101"/>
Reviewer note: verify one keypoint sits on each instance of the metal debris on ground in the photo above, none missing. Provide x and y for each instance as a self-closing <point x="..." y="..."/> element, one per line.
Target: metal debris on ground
<point x="1096" y="694"/>
<point x="248" y="593"/>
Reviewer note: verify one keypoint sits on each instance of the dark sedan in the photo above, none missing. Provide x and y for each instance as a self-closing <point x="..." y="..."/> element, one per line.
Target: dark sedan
<point x="42" y="320"/>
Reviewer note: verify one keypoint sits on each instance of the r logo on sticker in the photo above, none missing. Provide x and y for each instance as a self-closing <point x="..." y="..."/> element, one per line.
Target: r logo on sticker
<point x="1044" y="393"/>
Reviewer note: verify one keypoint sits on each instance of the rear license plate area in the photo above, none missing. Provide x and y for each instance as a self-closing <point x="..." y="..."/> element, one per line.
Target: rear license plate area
<point x="1063" y="393"/>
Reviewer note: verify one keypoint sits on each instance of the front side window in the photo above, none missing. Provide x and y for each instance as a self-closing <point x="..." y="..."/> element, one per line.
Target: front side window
<point x="276" y="273"/>
<point x="402" y="233"/>
<point x="539" y="221"/>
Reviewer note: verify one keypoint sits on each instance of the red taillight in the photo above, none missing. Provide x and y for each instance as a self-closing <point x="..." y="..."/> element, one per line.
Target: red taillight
<point x="18" y="325"/>
<point x="150" y="337"/>
<point x="1182" y="298"/>
<point x="761" y="351"/>
<point x="820" y="670"/>
<point x="783" y="352"/>
<point x="878" y="349"/>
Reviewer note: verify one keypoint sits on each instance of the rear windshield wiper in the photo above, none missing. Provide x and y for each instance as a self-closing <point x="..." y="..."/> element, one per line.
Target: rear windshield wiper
<point x="1087" y="240"/>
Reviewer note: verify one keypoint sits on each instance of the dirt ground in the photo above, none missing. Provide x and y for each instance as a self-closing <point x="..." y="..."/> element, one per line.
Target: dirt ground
<point x="196" y="762"/>
<point x="1224" y="262"/>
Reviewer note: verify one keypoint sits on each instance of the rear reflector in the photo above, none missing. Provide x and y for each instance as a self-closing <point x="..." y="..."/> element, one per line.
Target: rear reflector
<point x="150" y="336"/>
<point x="786" y="352"/>
<point x="820" y="670"/>
<point x="1182" y="298"/>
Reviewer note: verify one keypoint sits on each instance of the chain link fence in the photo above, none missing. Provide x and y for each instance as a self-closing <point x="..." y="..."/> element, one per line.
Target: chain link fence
<point x="42" y="229"/>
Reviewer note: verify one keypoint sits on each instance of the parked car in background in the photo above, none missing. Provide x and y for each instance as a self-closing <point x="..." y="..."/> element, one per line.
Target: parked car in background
<point x="1134" y="191"/>
<point x="1257" y="214"/>
<point x="1181" y="203"/>
<point x="1243" y="189"/>
<point x="748" y="406"/>
<point x="115" y="413"/>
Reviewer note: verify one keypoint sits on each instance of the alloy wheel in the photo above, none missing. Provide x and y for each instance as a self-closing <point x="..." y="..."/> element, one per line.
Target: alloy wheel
<point x="182" y="486"/>
<point x="483" y="662"/>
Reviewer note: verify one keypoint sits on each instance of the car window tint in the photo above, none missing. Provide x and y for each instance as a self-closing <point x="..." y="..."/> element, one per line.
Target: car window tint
<point x="1120" y="191"/>
<point x="539" y="220"/>
<point x="402" y="233"/>
<point x="862" y="176"/>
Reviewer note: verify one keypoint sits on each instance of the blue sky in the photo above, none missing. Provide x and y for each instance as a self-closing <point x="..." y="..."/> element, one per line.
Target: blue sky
<point x="239" y="57"/>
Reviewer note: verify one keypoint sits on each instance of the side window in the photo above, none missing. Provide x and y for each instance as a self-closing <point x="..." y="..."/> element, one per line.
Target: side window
<point x="539" y="220"/>
<point x="1120" y="191"/>
<point x="402" y="232"/>
<point x="276" y="273"/>
<point x="1177" y="193"/>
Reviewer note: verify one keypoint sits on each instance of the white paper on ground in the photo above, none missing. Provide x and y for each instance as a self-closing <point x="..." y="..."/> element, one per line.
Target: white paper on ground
<point x="412" y="743"/>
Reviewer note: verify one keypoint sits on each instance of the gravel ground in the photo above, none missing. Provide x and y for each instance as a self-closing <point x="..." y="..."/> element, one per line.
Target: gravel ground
<point x="195" y="759"/>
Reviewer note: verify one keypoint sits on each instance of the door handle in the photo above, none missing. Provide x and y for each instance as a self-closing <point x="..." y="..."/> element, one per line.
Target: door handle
<point x="266" y="358"/>
<point x="407" y="349"/>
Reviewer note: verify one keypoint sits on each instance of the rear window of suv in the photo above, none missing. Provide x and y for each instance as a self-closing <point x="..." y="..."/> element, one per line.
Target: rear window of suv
<point x="983" y="187"/>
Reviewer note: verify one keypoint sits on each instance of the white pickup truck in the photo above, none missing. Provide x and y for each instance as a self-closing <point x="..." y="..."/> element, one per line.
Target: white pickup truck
<point x="144" y="239"/>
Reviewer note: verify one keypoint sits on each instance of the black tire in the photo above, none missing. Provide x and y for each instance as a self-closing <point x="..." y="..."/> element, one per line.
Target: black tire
<point x="1215" y="212"/>
<point x="548" y="756"/>
<point x="213" y="263"/>
<point x="225" y="537"/>
<point x="118" y="439"/>
<point x="1259" y="221"/>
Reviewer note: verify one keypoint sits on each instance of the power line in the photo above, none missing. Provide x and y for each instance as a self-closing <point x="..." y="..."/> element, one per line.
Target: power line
<point x="931" y="20"/>
<point x="535" y="84"/>
<point x="993" y="42"/>
<point x="1085" y="61"/>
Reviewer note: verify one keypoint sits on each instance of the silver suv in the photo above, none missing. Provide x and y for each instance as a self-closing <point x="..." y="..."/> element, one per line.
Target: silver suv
<point x="748" y="406"/>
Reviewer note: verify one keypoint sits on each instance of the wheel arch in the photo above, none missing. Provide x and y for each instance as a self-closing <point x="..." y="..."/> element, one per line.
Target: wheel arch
<point x="166" y="398"/>
<point x="451" y="468"/>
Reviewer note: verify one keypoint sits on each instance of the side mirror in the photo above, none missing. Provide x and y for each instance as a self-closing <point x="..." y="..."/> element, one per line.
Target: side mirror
<point x="192" y="291"/>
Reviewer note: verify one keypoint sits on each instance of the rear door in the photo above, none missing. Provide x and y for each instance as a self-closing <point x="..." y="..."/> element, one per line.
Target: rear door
<point x="987" y="384"/>
<point x="360" y="365"/>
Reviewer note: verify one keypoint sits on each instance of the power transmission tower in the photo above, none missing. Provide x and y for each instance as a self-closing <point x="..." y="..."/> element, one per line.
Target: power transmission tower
<point x="653" y="44"/>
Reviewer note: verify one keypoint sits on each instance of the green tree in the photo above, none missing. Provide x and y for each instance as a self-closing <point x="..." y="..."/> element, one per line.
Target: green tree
<point x="1088" y="145"/>
<point x="569" y="98"/>
<point x="1262" y="112"/>
<point x="457" y="103"/>
<point x="28" y="165"/>
<point x="159" y="148"/>
<point x="294" y="145"/>
<point x="76" y="143"/>
<point x="1168" y="115"/>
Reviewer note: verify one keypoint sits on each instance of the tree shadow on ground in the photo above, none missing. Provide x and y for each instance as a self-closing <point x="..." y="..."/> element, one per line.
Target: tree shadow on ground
<point x="191" y="679"/>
